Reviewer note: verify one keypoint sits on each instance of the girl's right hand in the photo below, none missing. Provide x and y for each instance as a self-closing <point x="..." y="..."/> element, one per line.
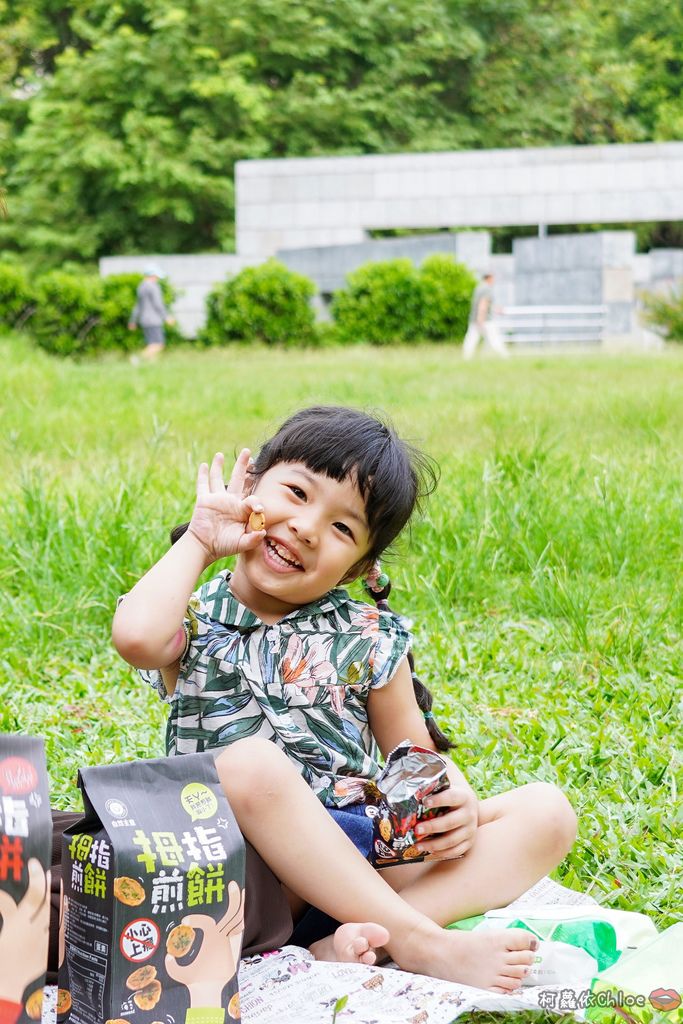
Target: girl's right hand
<point x="221" y="514"/>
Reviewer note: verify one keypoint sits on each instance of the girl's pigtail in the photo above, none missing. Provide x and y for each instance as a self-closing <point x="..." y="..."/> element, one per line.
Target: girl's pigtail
<point x="178" y="531"/>
<point x="378" y="585"/>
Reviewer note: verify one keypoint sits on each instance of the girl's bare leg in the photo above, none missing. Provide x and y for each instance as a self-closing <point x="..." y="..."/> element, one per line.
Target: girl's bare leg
<point x="309" y="853"/>
<point x="523" y="834"/>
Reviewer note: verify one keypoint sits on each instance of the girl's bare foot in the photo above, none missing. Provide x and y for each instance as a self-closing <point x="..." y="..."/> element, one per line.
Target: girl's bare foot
<point x="352" y="944"/>
<point x="496" y="960"/>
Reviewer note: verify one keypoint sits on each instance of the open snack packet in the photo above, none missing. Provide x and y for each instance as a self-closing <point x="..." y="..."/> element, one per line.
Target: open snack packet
<point x="411" y="773"/>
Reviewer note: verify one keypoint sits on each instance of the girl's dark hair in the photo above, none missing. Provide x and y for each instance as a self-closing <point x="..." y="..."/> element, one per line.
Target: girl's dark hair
<point x="392" y="476"/>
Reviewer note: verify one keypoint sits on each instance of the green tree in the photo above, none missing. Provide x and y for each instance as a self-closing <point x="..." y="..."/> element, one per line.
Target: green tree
<point x="130" y="145"/>
<point x="629" y="72"/>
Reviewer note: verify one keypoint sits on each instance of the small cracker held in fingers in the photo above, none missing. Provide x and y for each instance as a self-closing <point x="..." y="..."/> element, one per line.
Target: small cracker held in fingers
<point x="257" y="521"/>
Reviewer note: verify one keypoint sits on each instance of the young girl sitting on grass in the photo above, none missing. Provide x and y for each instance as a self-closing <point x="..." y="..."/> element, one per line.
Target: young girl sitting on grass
<point x="306" y="688"/>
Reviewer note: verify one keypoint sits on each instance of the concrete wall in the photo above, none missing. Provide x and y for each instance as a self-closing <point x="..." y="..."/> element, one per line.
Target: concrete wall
<point x="594" y="269"/>
<point x="192" y="276"/>
<point x="323" y="201"/>
<point x="329" y="265"/>
<point x="666" y="269"/>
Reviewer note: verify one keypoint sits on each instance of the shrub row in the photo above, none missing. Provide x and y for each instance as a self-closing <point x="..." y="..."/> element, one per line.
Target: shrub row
<point x="387" y="302"/>
<point x="383" y="303"/>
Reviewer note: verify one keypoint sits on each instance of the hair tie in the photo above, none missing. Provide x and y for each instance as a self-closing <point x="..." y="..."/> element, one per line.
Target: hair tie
<point x="376" y="580"/>
<point x="427" y="715"/>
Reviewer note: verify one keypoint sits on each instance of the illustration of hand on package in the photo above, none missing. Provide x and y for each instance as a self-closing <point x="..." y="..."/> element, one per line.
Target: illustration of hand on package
<point x="218" y="956"/>
<point x="23" y="939"/>
<point x="155" y="892"/>
<point x="25" y="845"/>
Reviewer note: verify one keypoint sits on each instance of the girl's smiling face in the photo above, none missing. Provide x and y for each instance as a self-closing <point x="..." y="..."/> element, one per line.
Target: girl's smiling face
<point x="316" y="533"/>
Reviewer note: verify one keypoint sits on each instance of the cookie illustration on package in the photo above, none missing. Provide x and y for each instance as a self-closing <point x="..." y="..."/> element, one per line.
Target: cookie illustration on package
<point x="385" y="829"/>
<point x="63" y="1002"/>
<point x="34" y="1005"/>
<point x="143" y="976"/>
<point x="148" y="997"/>
<point x="129" y="892"/>
<point x="179" y="941"/>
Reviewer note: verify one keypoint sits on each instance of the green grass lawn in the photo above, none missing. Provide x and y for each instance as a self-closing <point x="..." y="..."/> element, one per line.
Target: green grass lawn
<point x="544" y="581"/>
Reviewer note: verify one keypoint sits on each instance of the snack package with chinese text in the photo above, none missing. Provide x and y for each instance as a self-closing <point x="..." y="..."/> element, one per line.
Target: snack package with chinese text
<point x="25" y="852"/>
<point x="411" y="773"/>
<point x="154" y="896"/>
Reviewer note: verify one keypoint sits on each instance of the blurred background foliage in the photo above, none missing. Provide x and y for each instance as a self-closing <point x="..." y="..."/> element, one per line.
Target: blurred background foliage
<point x="120" y="123"/>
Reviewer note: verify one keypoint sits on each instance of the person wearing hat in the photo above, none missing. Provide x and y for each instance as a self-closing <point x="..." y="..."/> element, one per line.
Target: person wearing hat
<point x="150" y="312"/>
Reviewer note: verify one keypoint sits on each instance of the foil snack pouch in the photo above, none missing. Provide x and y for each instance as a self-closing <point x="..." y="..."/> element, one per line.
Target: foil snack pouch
<point x="154" y="897"/>
<point x="25" y="854"/>
<point x="411" y="773"/>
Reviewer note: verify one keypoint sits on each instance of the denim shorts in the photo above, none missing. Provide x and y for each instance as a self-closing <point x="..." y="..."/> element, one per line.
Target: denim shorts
<point x="154" y="335"/>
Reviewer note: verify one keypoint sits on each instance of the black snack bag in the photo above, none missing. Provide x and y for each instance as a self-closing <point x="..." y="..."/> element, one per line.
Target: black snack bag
<point x="25" y="854"/>
<point x="154" y="888"/>
<point x="410" y="774"/>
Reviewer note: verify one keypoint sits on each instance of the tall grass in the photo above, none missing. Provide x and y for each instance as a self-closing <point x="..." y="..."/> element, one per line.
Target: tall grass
<point x="544" y="580"/>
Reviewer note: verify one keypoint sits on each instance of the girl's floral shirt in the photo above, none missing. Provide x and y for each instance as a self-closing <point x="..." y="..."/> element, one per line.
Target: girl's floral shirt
<point x="302" y="682"/>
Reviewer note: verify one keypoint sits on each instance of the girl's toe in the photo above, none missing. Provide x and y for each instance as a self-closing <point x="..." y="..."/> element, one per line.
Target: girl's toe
<point x="522" y="957"/>
<point x="517" y="939"/>
<point x="506" y="984"/>
<point x="516" y="971"/>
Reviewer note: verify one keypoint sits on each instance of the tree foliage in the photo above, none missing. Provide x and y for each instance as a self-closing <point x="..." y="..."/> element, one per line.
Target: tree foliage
<point x="120" y="123"/>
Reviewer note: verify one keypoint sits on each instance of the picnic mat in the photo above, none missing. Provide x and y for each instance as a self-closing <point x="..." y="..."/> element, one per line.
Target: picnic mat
<point x="289" y="987"/>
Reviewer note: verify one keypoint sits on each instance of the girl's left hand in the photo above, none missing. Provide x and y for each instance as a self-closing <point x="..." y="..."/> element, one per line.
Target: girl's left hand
<point x="450" y="835"/>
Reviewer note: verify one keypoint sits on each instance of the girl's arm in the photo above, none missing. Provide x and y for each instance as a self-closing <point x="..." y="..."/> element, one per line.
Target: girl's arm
<point x="394" y="715"/>
<point x="148" y="624"/>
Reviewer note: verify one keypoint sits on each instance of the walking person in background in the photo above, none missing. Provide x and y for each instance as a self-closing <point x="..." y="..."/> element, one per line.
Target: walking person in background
<point x="481" y="322"/>
<point x="150" y="312"/>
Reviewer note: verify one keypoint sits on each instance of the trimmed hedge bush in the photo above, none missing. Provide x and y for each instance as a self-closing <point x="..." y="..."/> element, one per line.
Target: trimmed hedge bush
<point x="665" y="314"/>
<point x="79" y="314"/>
<point x="268" y="303"/>
<point x="447" y="288"/>
<point x="381" y="304"/>
<point x="17" y="296"/>
<point x="68" y="314"/>
<point x="393" y="301"/>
